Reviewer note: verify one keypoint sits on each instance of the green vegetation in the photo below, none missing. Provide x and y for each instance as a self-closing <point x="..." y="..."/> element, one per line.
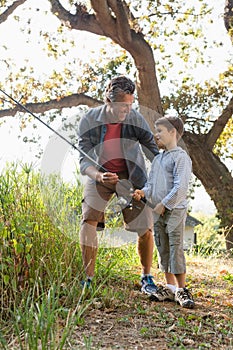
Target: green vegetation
<point x="43" y="305"/>
<point x="210" y="238"/>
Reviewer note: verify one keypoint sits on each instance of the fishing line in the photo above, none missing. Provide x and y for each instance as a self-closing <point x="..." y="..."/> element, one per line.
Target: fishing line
<point x="56" y="132"/>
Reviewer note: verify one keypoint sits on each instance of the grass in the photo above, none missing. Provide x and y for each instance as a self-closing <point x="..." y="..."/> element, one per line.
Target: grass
<point x="43" y="306"/>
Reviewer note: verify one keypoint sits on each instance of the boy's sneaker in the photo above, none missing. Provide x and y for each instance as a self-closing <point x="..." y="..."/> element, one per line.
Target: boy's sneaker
<point x="163" y="293"/>
<point x="184" y="298"/>
<point x="148" y="285"/>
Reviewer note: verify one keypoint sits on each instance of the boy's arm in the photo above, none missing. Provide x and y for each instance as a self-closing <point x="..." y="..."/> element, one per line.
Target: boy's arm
<point x="146" y="191"/>
<point x="148" y="187"/>
<point x="181" y="177"/>
<point x="159" y="209"/>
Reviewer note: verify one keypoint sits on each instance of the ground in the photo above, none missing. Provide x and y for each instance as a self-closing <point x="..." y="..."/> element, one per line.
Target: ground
<point x="135" y="322"/>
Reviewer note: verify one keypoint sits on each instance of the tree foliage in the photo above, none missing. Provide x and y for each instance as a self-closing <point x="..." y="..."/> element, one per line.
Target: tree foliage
<point x="166" y="46"/>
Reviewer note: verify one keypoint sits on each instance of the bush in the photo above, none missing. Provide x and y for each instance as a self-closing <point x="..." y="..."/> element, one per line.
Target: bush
<point x="210" y="241"/>
<point x="39" y="223"/>
<point x="40" y="260"/>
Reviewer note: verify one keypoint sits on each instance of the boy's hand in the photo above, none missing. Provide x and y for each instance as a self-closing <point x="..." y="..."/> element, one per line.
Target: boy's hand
<point x="138" y="194"/>
<point x="159" y="209"/>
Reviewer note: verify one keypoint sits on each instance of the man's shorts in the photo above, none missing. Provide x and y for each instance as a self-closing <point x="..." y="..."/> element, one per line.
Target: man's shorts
<point x="137" y="217"/>
<point x="169" y="233"/>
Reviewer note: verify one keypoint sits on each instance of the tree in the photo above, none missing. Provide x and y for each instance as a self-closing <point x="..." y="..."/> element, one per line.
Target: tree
<point x="228" y="17"/>
<point x="140" y="31"/>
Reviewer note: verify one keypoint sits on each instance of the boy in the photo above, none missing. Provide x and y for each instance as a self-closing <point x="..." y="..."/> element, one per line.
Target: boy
<point x="167" y="187"/>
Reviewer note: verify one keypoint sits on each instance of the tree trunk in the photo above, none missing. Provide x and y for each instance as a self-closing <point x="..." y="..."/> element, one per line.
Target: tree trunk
<point x="216" y="179"/>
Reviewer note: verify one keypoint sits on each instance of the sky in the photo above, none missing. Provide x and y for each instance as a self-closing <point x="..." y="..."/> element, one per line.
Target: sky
<point x="12" y="147"/>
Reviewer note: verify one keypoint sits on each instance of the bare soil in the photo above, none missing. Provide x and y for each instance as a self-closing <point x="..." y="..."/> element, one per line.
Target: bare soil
<point x="132" y="321"/>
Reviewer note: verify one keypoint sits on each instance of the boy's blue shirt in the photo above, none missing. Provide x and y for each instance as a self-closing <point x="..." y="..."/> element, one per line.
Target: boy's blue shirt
<point x="169" y="179"/>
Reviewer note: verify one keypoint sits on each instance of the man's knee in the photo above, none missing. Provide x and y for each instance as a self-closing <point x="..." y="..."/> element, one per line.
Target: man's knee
<point x="145" y="234"/>
<point x="88" y="235"/>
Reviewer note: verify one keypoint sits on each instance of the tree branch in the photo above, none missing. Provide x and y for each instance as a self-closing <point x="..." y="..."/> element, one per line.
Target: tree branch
<point x="122" y="21"/>
<point x="219" y="125"/>
<point x="104" y="17"/>
<point x="228" y="17"/>
<point x="104" y="23"/>
<point x="64" y="102"/>
<point x="82" y="20"/>
<point x="4" y="16"/>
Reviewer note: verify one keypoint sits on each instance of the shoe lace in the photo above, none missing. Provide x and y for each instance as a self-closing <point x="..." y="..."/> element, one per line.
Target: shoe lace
<point x="162" y="291"/>
<point x="186" y="294"/>
<point x="150" y="280"/>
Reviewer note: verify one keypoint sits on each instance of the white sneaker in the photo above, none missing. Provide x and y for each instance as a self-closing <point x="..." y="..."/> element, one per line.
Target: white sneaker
<point x="184" y="298"/>
<point x="163" y="293"/>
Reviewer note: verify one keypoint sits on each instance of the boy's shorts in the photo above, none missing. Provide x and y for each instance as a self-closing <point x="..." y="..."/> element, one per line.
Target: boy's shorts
<point x="169" y="234"/>
<point x="137" y="218"/>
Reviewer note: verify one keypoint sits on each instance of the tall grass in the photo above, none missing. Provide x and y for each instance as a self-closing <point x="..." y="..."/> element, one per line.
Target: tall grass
<point x="41" y="301"/>
<point x="40" y="263"/>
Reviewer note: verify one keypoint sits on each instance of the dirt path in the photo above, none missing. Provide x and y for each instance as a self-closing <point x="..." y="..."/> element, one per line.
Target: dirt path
<point x="134" y="322"/>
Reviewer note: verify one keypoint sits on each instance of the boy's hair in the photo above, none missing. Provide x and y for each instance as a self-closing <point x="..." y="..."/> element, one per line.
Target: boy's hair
<point x="118" y="87"/>
<point x="172" y="123"/>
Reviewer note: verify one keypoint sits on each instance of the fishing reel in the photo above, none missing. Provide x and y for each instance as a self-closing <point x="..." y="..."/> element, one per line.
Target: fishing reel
<point x="124" y="202"/>
<point x="124" y="192"/>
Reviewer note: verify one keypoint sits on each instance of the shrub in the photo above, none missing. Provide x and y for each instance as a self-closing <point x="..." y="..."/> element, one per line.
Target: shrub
<point x="39" y="219"/>
<point x="210" y="241"/>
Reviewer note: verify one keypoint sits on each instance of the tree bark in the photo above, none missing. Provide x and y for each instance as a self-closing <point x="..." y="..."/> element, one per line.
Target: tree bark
<point x="228" y="17"/>
<point x="4" y="16"/>
<point x="216" y="179"/>
<point x="58" y="103"/>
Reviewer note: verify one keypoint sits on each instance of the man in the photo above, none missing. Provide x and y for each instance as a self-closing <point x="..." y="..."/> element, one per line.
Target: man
<point x="114" y="135"/>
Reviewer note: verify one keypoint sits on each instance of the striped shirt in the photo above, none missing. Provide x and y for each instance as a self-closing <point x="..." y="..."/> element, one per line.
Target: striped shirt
<point x="169" y="179"/>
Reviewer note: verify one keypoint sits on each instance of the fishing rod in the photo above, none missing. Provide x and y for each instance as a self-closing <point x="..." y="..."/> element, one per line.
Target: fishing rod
<point x="56" y="132"/>
<point x="122" y="201"/>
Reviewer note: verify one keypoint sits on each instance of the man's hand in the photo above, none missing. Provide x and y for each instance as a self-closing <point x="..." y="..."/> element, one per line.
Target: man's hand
<point x="104" y="178"/>
<point x="138" y="194"/>
<point x="107" y="178"/>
